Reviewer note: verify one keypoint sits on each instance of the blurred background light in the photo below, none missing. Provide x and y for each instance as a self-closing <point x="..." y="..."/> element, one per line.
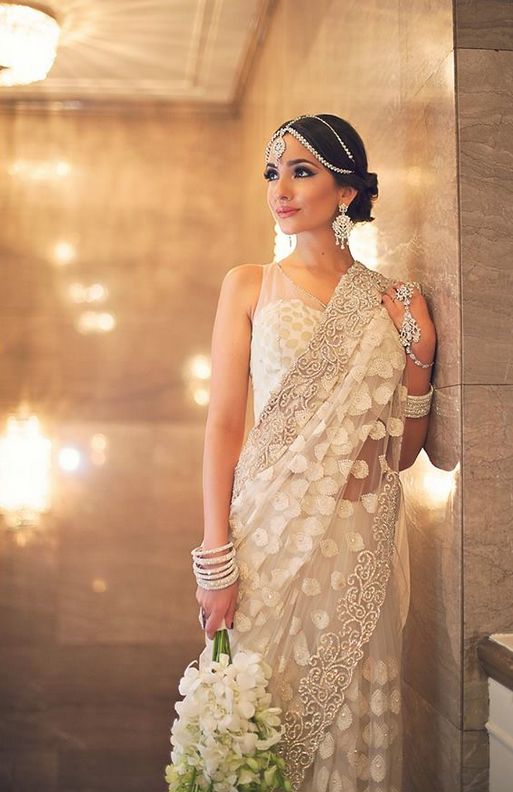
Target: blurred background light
<point x="25" y="465"/>
<point x="64" y="252"/>
<point x="95" y="322"/>
<point x="283" y="243"/>
<point x="39" y="170"/>
<point x="69" y="459"/>
<point x="197" y="372"/>
<point x="79" y="293"/>
<point x="28" y="43"/>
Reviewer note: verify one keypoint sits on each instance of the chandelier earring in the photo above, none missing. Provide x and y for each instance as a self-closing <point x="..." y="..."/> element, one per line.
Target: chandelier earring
<point x="342" y="226"/>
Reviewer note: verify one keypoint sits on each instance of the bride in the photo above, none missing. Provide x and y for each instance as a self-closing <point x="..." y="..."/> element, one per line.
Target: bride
<point x="304" y="552"/>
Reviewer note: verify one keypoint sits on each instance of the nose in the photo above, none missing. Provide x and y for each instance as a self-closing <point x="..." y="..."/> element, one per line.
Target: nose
<point x="282" y="187"/>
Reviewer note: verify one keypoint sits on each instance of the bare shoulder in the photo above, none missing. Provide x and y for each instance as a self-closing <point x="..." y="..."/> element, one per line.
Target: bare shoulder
<point x="243" y="284"/>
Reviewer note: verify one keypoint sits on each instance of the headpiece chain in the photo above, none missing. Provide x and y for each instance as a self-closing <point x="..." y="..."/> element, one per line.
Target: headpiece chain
<point x="276" y="144"/>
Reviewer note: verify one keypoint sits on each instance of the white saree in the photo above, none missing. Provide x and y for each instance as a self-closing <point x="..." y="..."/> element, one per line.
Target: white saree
<point x="318" y="524"/>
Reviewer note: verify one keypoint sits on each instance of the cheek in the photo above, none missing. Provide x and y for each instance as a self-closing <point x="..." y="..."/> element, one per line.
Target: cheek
<point x="322" y="198"/>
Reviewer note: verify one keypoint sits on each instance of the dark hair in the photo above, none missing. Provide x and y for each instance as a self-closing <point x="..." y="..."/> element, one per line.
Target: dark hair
<point x="326" y="144"/>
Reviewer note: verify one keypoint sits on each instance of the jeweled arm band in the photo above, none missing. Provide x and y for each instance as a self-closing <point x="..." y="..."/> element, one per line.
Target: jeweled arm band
<point x="215" y="572"/>
<point x="419" y="406"/>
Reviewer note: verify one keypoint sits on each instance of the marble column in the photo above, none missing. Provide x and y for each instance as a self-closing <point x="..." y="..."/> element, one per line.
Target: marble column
<point x="484" y="58"/>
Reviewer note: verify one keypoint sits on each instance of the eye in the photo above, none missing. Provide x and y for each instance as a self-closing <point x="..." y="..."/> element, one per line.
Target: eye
<point x="302" y="169"/>
<point x="270" y="174"/>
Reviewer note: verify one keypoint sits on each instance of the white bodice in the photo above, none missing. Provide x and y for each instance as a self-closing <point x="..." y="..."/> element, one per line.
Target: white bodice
<point x="284" y="320"/>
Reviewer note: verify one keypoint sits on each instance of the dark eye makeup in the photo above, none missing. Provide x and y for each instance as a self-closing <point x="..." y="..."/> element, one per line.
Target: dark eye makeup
<point x="271" y="173"/>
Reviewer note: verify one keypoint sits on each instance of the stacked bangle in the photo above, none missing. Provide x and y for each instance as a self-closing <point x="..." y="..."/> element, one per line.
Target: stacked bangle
<point x="215" y="572"/>
<point x="419" y="406"/>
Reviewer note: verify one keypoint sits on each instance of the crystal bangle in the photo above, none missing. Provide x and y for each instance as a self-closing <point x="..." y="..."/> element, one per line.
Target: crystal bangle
<point x="418" y="406"/>
<point x="215" y="560"/>
<point x="219" y="584"/>
<point x="216" y="571"/>
<point x="201" y="551"/>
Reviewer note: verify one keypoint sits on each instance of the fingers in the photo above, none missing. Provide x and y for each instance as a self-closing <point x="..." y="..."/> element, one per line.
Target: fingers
<point x="213" y="624"/>
<point x="218" y="606"/>
<point x="229" y="618"/>
<point x="390" y="301"/>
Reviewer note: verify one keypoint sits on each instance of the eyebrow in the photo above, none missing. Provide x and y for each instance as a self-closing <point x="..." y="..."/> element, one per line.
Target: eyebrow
<point x="295" y="162"/>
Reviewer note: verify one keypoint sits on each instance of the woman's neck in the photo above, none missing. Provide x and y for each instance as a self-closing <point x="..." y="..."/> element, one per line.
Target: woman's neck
<point x="319" y="253"/>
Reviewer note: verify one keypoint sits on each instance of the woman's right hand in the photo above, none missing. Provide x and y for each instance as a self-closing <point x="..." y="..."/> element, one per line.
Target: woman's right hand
<point x="218" y="604"/>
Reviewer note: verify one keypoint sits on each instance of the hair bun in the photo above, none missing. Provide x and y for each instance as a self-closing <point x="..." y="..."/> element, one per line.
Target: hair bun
<point x="371" y="183"/>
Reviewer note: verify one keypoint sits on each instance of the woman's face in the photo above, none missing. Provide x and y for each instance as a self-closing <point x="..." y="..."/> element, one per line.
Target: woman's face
<point x="302" y="194"/>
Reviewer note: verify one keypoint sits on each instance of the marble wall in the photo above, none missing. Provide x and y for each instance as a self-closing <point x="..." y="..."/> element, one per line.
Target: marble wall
<point x="484" y="37"/>
<point x="98" y="617"/>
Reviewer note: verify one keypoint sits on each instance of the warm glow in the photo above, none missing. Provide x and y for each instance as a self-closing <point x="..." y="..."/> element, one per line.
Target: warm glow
<point x="200" y="395"/>
<point x="69" y="459"/>
<point x="95" y="293"/>
<point x="25" y="464"/>
<point x="28" y="44"/>
<point x="431" y="485"/>
<point x="64" y="252"/>
<point x="283" y="243"/>
<point x="197" y="371"/>
<point x="99" y="586"/>
<point x="199" y="367"/>
<point x="39" y="170"/>
<point x="95" y="322"/>
<point x="98" y="442"/>
<point x="98" y="449"/>
<point x="363" y="243"/>
<point x="438" y="485"/>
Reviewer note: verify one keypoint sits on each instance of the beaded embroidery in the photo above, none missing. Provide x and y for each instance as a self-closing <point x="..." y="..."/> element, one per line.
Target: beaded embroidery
<point x="323" y="363"/>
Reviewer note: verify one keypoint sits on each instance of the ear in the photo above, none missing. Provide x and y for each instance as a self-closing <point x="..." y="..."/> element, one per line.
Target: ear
<point x="347" y="194"/>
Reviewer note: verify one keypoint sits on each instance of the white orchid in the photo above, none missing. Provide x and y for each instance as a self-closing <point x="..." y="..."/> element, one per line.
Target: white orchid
<point x="226" y="728"/>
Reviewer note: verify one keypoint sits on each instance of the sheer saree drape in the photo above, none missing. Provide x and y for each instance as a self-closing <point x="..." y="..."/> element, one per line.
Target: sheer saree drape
<point x="318" y="523"/>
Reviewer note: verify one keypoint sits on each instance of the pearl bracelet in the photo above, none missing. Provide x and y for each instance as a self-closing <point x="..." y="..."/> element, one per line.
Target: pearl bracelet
<point x="419" y="406"/>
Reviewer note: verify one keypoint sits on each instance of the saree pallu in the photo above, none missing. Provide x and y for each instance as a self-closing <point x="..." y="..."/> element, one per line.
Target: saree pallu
<point x="317" y="520"/>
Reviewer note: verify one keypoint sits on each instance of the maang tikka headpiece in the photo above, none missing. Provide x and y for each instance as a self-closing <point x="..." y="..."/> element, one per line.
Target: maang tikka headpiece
<point x="276" y="145"/>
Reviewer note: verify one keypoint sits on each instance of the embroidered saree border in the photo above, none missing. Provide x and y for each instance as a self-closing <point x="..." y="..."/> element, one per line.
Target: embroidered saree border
<point x="330" y="669"/>
<point x="324" y="361"/>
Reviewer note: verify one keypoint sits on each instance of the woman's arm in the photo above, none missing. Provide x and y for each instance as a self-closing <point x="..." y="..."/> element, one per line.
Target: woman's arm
<point x="224" y="431"/>
<point x="417" y="378"/>
<point x="417" y="382"/>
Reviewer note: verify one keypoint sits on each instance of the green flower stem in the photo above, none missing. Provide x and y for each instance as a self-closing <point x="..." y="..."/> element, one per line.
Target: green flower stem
<point x="221" y="645"/>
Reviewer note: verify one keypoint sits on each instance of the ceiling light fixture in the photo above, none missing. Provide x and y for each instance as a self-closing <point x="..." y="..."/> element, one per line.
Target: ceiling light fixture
<point x="29" y="35"/>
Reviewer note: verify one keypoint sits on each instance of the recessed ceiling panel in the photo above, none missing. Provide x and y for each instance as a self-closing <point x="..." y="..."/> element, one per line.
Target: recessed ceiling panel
<point x="190" y="50"/>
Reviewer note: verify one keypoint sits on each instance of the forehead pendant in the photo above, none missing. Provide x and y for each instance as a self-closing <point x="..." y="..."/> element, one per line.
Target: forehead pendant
<point x="278" y="147"/>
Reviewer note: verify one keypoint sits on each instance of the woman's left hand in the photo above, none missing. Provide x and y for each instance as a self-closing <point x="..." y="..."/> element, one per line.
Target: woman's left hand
<point x="418" y="309"/>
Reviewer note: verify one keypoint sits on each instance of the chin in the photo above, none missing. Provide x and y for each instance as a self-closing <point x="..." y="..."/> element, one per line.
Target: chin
<point x="289" y="225"/>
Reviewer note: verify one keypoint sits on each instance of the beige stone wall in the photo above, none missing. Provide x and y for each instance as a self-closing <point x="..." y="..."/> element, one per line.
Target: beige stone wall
<point x="97" y="611"/>
<point x="484" y="35"/>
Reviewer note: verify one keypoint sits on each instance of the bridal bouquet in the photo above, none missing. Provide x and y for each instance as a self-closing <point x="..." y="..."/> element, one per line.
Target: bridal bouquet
<point x="223" y="738"/>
